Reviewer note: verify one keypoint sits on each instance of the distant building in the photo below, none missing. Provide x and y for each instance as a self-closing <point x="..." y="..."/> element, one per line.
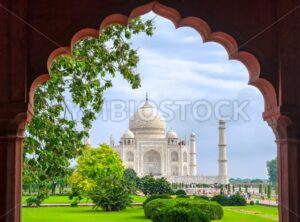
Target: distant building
<point x="147" y="148"/>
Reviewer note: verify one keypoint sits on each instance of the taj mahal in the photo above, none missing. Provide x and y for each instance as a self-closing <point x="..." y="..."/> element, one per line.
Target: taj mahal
<point x="149" y="149"/>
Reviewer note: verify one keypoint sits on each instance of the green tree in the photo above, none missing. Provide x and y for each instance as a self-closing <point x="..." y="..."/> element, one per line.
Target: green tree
<point x="257" y="181"/>
<point x="93" y="166"/>
<point x="149" y="185"/>
<point x="269" y="191"/>
<point x="131" y="176"/>
<point x="52" y="137"/>
<point x="99" y="175"/>
<point x="260" y="188"/>
<point x="228" y="188"/>
<point x="272" y="171"/>
<point x="112" y="195"/>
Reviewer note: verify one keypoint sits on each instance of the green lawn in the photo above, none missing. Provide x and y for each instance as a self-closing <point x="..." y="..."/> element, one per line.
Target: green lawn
<point x="136" y="214"/>
<point x="65" y="199"/>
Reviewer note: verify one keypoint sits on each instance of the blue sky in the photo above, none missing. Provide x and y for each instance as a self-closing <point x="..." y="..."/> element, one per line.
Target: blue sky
<point x="175" y="65"/>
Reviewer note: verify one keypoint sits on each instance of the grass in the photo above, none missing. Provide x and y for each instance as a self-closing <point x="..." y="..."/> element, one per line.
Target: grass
<point x="136" y="214"/>
<point x="250" y="214"/>
<point x="79" y="214"/>
<point x="65" y="199"/>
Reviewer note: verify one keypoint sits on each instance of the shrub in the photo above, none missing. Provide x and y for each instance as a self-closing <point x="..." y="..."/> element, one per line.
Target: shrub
<point x="114" y="197"/>
<point x="183" y="196"/>
<point x="33" y="201"/>
<point x="237" y="200"/>
<point x="183" y="214"/>
<point x="155" y="208"/>
<point x="221" y="199"/>
<point x="180" y="192"/>
<point x="212" y="209"/>
<point x="74" y="203"/>
<point x="202" y="197"/>
<point x="234" y="200"/>
<point x="251" y="202"/>
<point x="156" y="196"/>
<point x="150" y="185"/>
<point x="192" y="210"/>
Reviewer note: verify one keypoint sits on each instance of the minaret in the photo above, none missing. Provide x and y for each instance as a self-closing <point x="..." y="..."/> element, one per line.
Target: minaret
<point x="86" y="139"/>
<point x="111" y="141"/>
<point x="193" y="161"/>
<point x="222" y="154"/>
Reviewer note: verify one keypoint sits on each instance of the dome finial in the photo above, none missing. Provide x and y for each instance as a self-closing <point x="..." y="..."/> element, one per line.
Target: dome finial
<point x="146" y="96"/>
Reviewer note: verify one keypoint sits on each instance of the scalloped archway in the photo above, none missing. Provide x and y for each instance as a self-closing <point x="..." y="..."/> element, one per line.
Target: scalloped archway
<point x="227" y="41"/>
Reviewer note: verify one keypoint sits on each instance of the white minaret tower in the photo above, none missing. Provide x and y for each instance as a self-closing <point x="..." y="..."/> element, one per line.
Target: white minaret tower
<point x="86" y="139"/>
<point x="111" y="141"/>
<point x="193" y="160"/>
<point x="222" y="154"/>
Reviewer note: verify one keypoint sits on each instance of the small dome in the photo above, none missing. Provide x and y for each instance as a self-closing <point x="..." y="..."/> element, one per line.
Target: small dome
<point x="128" y="134"/>
<point x="193" y="134"/>
<point x="172" y="134"/>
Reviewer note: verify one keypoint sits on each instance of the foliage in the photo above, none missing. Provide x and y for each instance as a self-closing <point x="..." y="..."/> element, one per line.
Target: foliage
<point x="180" y="192"/>
<point x="221" y="199"/>
<point x="202" y="197"/>
<point x="149" y="185"/>
<point x="246" y="180"/>
<point x="157" y="206"/>
<point x="212" y="209"/>
<point x="100" y="176"/>
<point x="257" y="181"/>
<point x="260" y="188"/>
<point x="156" y="196"/>
<point x="269" y="191"/>
<point x="237" y="200"/>
<point x="131" y="176"/>
<point x="52" y="137"/>
<point x="183" y="196"/>
<point x="158" y="209"/>
<point x="251" y="202"/>
<point x="93" y="166"/>
<point x="182" y="214"/>
<point x="233" y="200"/>
<point x="272" y="171"/>
<point x="113" y="195"/>
<point x="75" y="202"/>
<point x="33" y="201"/>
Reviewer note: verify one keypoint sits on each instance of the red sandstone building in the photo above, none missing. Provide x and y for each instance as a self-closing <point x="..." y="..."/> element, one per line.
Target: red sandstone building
<point x="263" y="34"/>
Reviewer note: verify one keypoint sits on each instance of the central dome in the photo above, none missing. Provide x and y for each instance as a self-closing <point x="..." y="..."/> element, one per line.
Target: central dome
<point x="147" y="122"/>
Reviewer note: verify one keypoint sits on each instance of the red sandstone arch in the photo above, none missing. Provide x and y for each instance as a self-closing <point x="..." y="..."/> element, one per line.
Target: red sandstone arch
<point x="227" y="41"/>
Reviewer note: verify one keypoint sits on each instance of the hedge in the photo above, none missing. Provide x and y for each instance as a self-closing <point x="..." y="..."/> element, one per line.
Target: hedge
<point x="156" y="196"/>
<point x="194" y="210"/>
<point x="233" y="200"/>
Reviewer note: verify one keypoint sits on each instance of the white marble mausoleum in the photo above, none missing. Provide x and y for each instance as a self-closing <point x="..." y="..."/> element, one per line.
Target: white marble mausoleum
<point x="149" y="149"/>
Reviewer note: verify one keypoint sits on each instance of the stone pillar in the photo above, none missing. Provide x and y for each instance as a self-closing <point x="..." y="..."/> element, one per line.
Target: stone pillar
<point x="11" y="138"/>
<point x="288" y="154"/>
<point x="11" y="178"/>
<point x="223" y="176"/>
<point x="193" y="155"/>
